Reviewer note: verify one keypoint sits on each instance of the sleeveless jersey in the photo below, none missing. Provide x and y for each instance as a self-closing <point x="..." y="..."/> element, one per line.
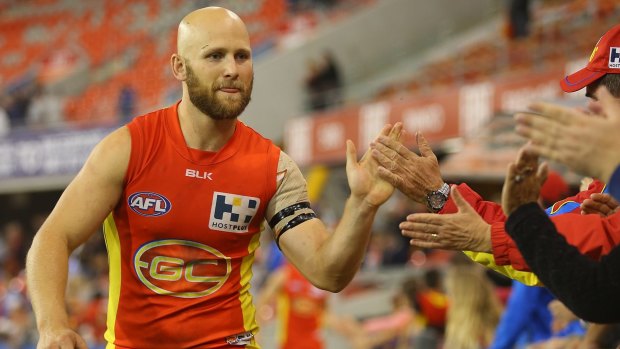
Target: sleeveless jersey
<point x="300" y="307"/>
<point x="181" y="240"/>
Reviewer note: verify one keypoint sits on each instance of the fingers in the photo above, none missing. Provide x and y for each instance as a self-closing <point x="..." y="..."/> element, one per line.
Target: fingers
<point x="589" y="206"/>
<point x="535" y="128"/>
<point x="396" y="132"/>
<point x="554" y="112"/>
<point x="389" y="153"/>
<point x="461" y="204"/>
<point x="422" y="234"/>
<point x="389" y="177"/>
<point x="382" y="156"/>
<point x="527" y="160"/>
<point x="605" y="199"/>
<point x="351" y="155"/>
<point x="387" y="130"/>
<point x="425" y="148"/>
<point x="80" y="343"/>
<point x="392" y="148"/>
<point x="599" y="203"/>
<point x="543" y="130"/>
<point x="423" y="218"/>
<point x="543" y="170"/>
<point x="511" y="171"/>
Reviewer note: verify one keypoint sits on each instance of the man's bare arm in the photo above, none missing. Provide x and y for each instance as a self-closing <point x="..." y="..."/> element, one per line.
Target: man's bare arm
<point x="83" y="206"/>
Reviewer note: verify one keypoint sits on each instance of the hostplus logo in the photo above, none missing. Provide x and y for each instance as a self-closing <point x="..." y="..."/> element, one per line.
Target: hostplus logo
<point x="232" y="213"/>
<point x="614" y="57"/>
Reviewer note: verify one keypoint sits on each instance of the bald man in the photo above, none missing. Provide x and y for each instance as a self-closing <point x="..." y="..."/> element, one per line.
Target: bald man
<point x="182" y="193"/>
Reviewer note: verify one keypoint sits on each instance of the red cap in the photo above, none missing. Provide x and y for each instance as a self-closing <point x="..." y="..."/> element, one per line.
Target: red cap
<point x="554" y="189"/>
<point x="605" y="59"/>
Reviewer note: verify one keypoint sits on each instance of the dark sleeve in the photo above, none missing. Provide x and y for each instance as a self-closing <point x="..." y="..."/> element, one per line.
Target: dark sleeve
<point x="589" y="288"/>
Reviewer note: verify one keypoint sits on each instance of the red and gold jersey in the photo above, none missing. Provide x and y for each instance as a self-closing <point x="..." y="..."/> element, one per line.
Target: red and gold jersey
<point x="301" y="307"/>
<point x="181" y="240"/>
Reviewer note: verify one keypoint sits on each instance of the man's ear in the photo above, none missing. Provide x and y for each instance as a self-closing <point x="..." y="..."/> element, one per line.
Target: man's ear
<point x="178" y="67"/>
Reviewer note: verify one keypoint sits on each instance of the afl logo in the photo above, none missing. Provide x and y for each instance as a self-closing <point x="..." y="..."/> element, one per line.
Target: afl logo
<point x="181" y="268"/>
<point x="150" y="204"/>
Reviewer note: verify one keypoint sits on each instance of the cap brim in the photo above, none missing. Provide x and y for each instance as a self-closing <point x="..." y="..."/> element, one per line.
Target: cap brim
<point x="579" y="80"/>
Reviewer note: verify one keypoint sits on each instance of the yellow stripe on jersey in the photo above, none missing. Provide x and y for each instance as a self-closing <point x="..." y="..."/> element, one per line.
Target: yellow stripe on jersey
<point x="112" y="242"/>
<point x="487" y="259"/>
<point x="245" y="297"/>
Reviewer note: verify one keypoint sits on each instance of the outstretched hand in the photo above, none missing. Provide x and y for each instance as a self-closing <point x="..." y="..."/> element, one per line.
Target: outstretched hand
<point x="362" y="176"/>
<point x="523" y="181"/>
<point x="601" y="204"/>
<point x="414" y="175"/>
<point x="585" y="143"/>
<point x="464" y="230"/>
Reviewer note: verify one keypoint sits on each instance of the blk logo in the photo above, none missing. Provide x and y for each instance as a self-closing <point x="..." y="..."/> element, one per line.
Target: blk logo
<point x="232" y="213"/>
<point x="614" y="57"/>
<point x="198" y="174"/>
<point x="149" y="204"/>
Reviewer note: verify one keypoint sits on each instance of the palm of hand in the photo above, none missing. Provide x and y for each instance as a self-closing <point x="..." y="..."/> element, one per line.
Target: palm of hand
<point x="364" y="182"/>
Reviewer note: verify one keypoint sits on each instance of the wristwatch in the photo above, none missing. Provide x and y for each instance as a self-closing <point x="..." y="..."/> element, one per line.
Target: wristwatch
<point x="436" y="199"/>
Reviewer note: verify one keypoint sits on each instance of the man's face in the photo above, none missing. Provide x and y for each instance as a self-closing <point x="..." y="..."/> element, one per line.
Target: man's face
<point x="219" y="69"/>
<point x="221" y="97"/>
<point x="594" y="106"/>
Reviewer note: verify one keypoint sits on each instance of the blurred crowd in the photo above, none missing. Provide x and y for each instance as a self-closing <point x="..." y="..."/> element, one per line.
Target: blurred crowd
<point x="87" y="288"/>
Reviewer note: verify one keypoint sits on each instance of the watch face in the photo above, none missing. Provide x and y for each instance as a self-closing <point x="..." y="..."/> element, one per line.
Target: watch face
<point x="436" y="200"/>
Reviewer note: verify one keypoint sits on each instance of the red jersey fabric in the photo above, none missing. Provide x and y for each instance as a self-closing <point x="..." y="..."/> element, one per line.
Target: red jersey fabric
<point x="181" y="240"/>
<point x="433" y="307"/>
<point x="301" y="307"/>
<point x="593" y="235"/>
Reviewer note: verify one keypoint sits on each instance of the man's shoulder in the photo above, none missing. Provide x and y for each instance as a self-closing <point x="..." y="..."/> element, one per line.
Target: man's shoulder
<point x="154" y="115"/>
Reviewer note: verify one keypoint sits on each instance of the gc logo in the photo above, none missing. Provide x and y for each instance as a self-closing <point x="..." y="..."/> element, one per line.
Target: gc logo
<point x="181" y="268"/>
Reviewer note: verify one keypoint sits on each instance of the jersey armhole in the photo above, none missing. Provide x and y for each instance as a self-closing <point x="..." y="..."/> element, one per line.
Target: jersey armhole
<point x="136" y="151"/>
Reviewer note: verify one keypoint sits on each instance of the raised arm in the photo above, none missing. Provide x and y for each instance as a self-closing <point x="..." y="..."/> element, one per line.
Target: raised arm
<point x="83" y="206"/>
<point x="330" y="261"/>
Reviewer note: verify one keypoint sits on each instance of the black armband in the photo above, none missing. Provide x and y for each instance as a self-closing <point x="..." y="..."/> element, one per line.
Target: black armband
<point x="285" y="212"/>
<point x="293" y="223"/>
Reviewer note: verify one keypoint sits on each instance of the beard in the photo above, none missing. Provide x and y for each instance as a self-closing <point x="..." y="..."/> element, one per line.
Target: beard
<point x="217" y="108"/>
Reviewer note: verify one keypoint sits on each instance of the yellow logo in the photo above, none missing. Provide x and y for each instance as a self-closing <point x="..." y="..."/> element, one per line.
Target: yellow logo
<point x="181" y="268"/>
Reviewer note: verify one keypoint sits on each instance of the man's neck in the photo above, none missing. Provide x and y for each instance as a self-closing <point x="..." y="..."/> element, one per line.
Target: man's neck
<point x="201" y="131"/>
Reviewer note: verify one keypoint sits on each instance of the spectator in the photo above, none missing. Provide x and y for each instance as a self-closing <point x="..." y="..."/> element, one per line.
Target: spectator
<point x="519" y="18"/>
<point x="19" y="102"/>
<point x="396" y="329"/>
<point x="44" y="111"/>
<point x="13" y="249"/>
<point x="323" y="82"/>
<point x="127" y="103"/>
<point x="433" y="302"/>
<point x="526" y="318"/>
<point x="474" y="309"/>
<point x="300" y="308"/>
<point x="478" y="225"/>
<point x="5" y="123"/>
<point x="332" y="80"/>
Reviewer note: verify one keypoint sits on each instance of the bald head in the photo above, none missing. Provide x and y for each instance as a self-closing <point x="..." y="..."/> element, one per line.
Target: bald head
<point x="200" y="27"/>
